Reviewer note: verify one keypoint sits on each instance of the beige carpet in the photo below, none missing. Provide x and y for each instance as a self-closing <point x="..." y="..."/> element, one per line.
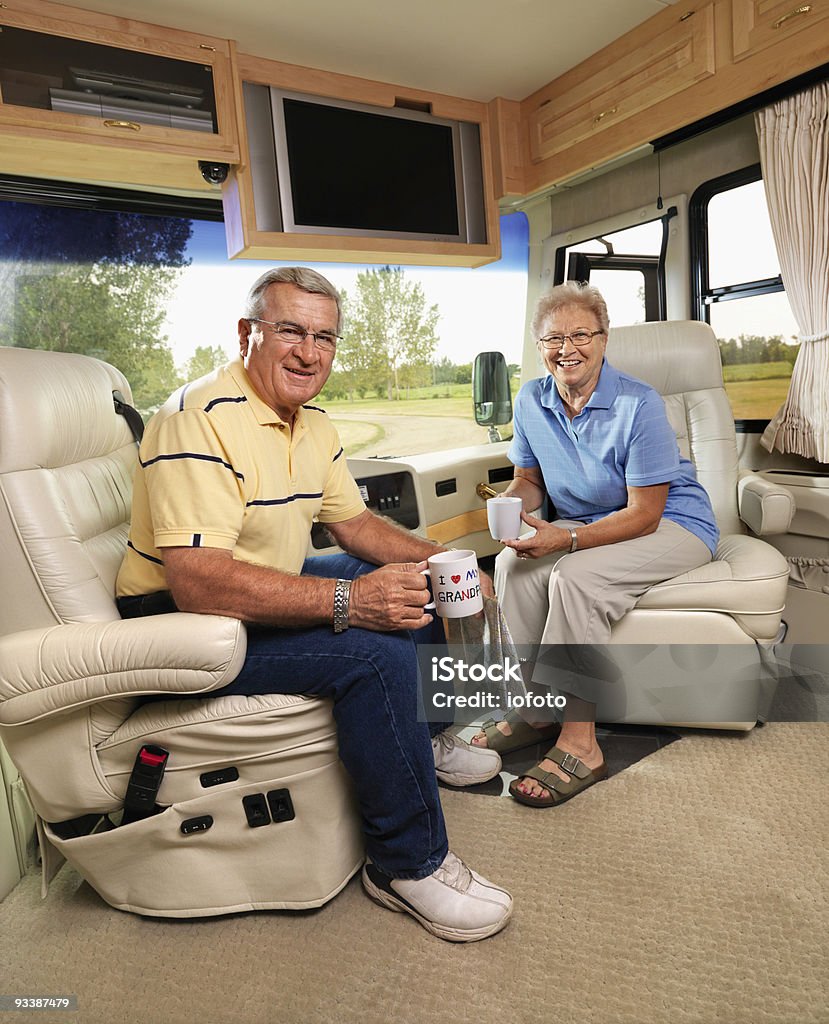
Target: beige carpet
<point x="691" y="888"/>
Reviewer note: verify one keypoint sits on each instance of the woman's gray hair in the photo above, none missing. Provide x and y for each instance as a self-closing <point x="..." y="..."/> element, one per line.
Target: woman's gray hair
<point x="571" y="293"/>
<point x="301" y="277"/>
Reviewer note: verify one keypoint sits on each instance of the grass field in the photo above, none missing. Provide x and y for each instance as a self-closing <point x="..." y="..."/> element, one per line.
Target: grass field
<point x="757" y="399"/>
<point x="756" y="371"/>
<point x="756" y="390"/>
<point x="434" y="400"/>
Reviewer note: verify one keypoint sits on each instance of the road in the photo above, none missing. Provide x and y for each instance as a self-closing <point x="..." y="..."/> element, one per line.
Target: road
<point x="405" y="435"/>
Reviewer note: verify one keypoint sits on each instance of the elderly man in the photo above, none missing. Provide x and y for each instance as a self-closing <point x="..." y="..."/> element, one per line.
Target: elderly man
<point x="233" y="470"/>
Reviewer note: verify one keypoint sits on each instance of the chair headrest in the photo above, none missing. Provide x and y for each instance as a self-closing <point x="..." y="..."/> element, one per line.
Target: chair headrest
<point x="673" y="356"/>
<point x="56" y="409"/>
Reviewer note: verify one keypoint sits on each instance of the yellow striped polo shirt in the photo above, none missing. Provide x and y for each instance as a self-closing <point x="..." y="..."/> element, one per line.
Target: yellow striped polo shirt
<point x="219" y="468"/>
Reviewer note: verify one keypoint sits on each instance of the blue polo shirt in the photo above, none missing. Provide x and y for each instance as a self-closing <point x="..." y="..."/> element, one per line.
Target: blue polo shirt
<point x="620" y="439"/>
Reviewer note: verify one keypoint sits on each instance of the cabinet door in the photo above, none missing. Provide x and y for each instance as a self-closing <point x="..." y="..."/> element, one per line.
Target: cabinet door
<point x="632" y="81"/>
<point x="92" y="78"/>
<point x="757" y="24"/>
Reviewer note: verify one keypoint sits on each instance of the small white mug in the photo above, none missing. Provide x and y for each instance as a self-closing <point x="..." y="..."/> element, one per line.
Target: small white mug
<point x="504" y="517"/>
<point x="456" y="584"/>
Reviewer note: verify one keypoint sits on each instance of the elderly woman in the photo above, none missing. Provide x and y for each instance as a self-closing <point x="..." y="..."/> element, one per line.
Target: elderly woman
<point x="631" y="514"/>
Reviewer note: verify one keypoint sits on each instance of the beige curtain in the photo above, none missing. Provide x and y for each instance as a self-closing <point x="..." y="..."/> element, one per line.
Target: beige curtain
<point x="794" y="153"/>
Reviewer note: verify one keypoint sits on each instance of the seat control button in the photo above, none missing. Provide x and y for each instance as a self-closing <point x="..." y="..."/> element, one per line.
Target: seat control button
<point x="217" y="778"/>
<point x="281" y="805"/>
<point x="200" y="824"/>
<point x="256" y="810"/>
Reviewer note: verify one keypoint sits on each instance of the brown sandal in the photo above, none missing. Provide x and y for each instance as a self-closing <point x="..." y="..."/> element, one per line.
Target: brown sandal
<point x="523" y="734"/>
<point x="558" y="789"/>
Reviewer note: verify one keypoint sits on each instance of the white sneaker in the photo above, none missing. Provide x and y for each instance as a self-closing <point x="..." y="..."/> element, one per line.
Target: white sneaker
<point x="453" y="902"/>
<point x="458" y="763"/>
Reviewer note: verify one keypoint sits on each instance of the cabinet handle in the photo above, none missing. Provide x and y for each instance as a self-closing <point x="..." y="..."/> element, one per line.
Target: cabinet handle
<point x="803" y="9"/>
<point x="123" y="124"/>
<point x="687" y="15"/>
<point x="204" y="46"/>
<point x="604" y="114"/>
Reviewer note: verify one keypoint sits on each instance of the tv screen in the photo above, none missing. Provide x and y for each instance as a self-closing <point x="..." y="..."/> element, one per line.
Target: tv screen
<point x="333" y="167"/>
<point x="353" y="169"/>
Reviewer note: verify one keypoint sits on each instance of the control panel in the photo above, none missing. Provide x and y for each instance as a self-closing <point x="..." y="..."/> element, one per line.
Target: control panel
<point x="389" y="494"/>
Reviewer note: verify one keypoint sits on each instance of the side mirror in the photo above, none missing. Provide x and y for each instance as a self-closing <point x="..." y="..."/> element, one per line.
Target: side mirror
<point x="490" y="389"/>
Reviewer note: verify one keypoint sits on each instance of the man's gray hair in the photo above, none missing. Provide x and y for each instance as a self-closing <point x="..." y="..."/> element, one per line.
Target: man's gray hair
<point x="571" y="293"/>
<point x="301" y="277"/>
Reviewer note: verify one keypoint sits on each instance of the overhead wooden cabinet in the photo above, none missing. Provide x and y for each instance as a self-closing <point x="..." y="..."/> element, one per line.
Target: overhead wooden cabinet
<point x="759" y="24"/>
<point x="687" y="63"/>
<point x="110" y="98"/>
<point x="600" y="95"/>
<point x="254" y="197"/>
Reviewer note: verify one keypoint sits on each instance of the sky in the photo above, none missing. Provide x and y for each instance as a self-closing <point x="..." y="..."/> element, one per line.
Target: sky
<point x="480" y="309"/>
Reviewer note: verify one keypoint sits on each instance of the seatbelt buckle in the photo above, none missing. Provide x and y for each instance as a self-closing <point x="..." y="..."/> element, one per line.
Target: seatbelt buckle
<point x="144" y="783"/>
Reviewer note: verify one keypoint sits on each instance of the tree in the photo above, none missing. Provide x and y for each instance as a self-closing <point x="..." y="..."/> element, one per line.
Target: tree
<point x="754" y="349"/>
<point x="94" y="283"/>
<point x="388" y="327"/>
<point x="204" y="360"/>
<point x="414" y="375"/>
<point x="443" y="372"/>
<point x="357" y="367"/>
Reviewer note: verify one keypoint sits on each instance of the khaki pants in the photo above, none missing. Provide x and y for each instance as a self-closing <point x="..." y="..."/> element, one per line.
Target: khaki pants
<point x="568" y="602"/>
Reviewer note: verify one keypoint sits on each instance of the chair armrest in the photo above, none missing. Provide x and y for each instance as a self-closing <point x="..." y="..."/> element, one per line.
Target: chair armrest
<point x="47" y="671"/>
<point x="764" y="507"/>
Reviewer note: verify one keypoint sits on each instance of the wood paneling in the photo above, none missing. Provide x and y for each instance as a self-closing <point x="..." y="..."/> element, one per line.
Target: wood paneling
<point x="566" y="145"/>
<point x="759" y="24"/>
<point x="458" y="526"/>
<point x="638" y="77"/>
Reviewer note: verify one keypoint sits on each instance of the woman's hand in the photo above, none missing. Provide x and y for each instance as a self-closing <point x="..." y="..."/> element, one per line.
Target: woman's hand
<point x="546" y="540"/>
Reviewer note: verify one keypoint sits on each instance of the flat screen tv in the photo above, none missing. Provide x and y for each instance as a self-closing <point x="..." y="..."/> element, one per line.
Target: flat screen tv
<point x="333" y="167"/>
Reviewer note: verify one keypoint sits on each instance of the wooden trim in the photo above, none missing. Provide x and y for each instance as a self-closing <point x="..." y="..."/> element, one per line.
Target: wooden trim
<point x="264" y="245"/>
<point x="459" y="526"/>
<point x="508" y="152"/>
<point x="44" y="155"/>
<point x="60" y="19"/>
<point x="238" y="108"/>
<point x="358" y="90"/>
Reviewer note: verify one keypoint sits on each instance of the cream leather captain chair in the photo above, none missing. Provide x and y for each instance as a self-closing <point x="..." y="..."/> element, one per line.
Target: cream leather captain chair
<point x="72" y="675"/>
<point x="733" y="604"/>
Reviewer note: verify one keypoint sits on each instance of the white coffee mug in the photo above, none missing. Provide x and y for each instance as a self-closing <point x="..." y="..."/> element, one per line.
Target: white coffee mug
<point x="504" y="516"/>
<point x="456" y="584"/>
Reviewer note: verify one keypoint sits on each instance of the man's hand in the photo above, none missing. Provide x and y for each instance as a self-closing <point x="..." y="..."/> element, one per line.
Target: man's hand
<point x="390" y="598"/>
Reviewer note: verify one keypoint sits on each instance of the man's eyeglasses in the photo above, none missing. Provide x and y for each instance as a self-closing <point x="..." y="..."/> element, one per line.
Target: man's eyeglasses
<point x="579" y="339"/>
<point x="293" y="334"/>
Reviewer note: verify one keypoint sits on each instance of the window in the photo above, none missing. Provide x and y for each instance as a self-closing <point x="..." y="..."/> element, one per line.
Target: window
<point x="625" y="267"/>
<point x="143" y="282"/>
<point x="738" y="290"/>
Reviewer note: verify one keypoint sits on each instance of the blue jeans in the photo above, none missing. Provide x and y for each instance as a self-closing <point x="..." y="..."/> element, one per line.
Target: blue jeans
<point x="372" y="679"/>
